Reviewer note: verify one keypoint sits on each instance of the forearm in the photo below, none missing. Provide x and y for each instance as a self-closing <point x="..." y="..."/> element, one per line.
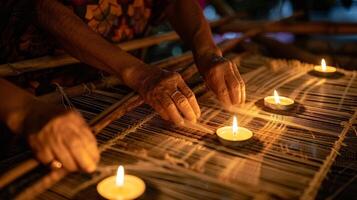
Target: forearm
<point x="14" y="106"/>
<point x="187" y="19"/>
<point x="83" y="43"/>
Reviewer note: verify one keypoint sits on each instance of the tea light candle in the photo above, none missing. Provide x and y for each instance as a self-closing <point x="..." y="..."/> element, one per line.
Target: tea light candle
<point x="277" y="102"/>
<point x="234" y="133"/>
<point x="324" y="70"/>
<point x="121" y="186"/>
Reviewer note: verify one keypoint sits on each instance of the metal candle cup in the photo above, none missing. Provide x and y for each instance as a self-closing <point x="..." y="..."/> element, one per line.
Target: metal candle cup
<point x="233" y="135"/>
<point x="324" y="70"/>
<point x="277" y="102"/>
<point x="121" y="186"/>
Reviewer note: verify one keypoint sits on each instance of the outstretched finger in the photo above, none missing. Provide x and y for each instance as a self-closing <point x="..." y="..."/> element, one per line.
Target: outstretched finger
<point x="241" y="83"/>
<point x="79" y="153"/>
<point x="233" y="88"/>
<point x="221" y="91"/>
<point x="90" y="143"/>
<point x="171" y="109"/>
<point x="184" y="106"/>
<point x="187" y="92"/>
<point x="62" y="154"/>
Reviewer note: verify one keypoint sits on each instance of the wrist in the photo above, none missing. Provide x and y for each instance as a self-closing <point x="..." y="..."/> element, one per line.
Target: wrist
<point x="205" y="58"/>
<point x="38" y="114"/>
<point x="15" y="120"/>
<point x="134" y="76"/>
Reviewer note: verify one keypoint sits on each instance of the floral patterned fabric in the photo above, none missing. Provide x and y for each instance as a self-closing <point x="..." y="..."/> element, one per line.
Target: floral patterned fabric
<point x="118" y="20"/>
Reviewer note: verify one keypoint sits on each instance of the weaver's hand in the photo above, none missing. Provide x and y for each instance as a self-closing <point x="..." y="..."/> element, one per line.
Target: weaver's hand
<point x="55" y="134"/>
<point x="222" y="77"/>
<point x="169" y="95"/>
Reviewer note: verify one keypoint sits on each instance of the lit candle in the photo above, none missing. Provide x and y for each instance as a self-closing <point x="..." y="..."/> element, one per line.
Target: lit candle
<point x="324" y="70"/>
<point x="277" y="102"/>
<point x="234" y="133"/>
<point x="121" y="186"/>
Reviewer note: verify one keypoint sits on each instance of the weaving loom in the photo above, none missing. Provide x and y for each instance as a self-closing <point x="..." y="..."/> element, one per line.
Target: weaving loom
<point x="289" y="157"/>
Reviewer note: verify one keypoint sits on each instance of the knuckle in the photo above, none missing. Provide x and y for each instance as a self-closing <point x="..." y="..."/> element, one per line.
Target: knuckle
<point x="222" y="91"/>
<point x="234" y="84"/>
<point x="181" y="101"/>
<point x="168" y="104"/>
<point x="189" y="94"/>
<point x="176" y="75"/>
<point x="241" y="82"/>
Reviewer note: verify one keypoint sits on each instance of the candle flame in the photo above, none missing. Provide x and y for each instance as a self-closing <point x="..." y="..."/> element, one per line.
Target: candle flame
<point x="276" y="97"/>
<point x="235" y="125"/>
<point x="323" y="65"/>
<point x="120" y="176"/>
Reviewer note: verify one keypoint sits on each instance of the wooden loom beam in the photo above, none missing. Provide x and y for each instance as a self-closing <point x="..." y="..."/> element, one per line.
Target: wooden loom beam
<point x="290" y="51"/>
<point x="330" y="28"/>
<point x="287" y="51"/>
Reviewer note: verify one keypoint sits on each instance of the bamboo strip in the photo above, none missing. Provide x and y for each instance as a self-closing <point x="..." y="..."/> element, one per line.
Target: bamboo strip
<point x="331" y="28"/>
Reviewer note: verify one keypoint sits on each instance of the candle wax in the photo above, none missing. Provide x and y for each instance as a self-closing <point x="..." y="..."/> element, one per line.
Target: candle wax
<point x="285" y="103"/>
<point x="133" y="188"/>
<point x="226" y="133"/>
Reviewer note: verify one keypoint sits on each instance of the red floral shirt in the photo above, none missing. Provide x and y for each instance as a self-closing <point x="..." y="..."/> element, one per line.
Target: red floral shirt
<point x="118" y="20"/>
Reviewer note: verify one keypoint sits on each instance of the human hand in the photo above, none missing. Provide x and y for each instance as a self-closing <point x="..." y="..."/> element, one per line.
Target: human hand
<point x="222" y="77"/>
<point x="169" y="95"/>
<point x="55" y="134"/>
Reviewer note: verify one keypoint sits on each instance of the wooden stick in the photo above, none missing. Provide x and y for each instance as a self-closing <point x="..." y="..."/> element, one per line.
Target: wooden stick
<point x="330" y="28"/>
<point x="46" y="62"/>
<point x="222" y="7"/>
<point x="322" y="46"/>
<point x="288" y="51"/>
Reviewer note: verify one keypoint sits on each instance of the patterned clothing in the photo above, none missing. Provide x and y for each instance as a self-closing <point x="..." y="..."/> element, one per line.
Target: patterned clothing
<point x="118" y="20"/>
<point x="115" y="20"/>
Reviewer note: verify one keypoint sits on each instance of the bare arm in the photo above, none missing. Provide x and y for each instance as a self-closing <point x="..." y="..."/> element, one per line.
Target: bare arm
<point x="165" y="91"/>
<point x="86" y="45"/>
<point x="220" y="74"/>
<point x="187" y="19"/>
<point x="14" y="105"/>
